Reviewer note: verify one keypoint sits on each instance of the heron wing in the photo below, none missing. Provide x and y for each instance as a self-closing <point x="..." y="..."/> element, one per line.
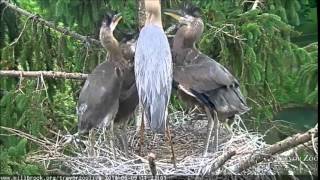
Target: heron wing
<point x="153" y="71"/>
<point x="204" y="76"/>
<point x="212" y="84"/>
<point x="98" y="96"/>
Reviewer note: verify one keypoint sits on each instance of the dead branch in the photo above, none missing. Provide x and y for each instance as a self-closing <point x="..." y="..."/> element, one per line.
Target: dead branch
<point x="152" y="164"/>
<point x="46" y="74"/>
<point x="141" y="13"/>
<point x="51" y="25"/>
<point x="222" y="159"/>
<point x="278" y="147"/>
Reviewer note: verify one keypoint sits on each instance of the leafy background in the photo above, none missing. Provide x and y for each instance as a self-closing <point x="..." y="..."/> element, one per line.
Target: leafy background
<point x="273" y="50"/>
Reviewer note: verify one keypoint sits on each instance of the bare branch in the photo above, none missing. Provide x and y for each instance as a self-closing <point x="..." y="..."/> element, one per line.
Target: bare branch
<point x="222" y="159"/>
<point x="141" y="13"/>
<point x="46" y="74"/>
<point x="152" y="164"/>
<point x="51" y="25"/>
<point x="278" y="147"/>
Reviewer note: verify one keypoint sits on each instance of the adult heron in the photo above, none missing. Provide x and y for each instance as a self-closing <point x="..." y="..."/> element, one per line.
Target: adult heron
<point x="153" y="71"/>
<point x="109" y="95"/>
<point x="200" y="78"/>
<point x="153" y="68"/>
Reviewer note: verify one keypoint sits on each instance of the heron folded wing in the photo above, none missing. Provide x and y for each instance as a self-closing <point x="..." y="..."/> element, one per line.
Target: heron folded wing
<point x="153" y="71"/>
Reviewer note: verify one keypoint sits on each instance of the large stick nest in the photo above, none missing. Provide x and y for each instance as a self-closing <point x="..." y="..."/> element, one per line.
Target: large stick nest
<point x="188" y="135"/>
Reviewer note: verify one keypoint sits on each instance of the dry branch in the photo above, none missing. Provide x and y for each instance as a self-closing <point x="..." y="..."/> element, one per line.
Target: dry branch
<point x="46" y="74"/>
<point x="152" y="164"/>
<point x="222" y="159"/>
<point x="51" y="25"/>
<point x="278" y="147"/>
<point x="141" y="13"/>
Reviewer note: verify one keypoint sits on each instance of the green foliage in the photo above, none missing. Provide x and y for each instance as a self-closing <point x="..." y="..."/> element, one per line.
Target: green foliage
<point x="13" y="161"/>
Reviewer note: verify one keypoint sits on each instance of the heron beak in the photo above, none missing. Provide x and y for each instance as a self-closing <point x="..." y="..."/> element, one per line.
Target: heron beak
<point x="174" y="14"/>
<point x="115" y="20"/>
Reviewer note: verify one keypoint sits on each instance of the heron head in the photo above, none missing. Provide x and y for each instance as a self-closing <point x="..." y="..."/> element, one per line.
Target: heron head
<point x="106" y="37"/>
<point x="186" y="15"/>
<point x="191" y="23"/>
<point x="110" y="22"/>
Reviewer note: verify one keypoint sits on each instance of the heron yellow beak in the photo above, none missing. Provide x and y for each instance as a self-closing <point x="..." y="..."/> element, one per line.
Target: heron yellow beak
<point x="173" y="15"/>
<point x="116" y="19"/>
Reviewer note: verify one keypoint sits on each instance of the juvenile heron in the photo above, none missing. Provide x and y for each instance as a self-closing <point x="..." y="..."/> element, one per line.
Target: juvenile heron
<point x="109" y="95"/>
<point x="200" y="78"/>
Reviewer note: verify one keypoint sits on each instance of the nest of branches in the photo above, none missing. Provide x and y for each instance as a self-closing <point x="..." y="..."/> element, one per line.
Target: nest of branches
<point x="239" y="152"/>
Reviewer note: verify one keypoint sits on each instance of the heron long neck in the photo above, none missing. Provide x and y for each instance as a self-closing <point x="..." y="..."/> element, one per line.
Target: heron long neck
<point x="115" y="54"/>
<point x="188" y="35"/>
<point x="111" y="44"/>
<point x="153" y="12"/>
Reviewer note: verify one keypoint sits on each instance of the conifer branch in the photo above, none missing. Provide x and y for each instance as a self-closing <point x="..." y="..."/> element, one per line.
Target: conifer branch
<point x="46" y="74"/>
<point x="51" y="25"/>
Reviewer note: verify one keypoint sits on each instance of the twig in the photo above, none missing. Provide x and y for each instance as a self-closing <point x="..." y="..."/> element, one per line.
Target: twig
<point x="51" y="25"/>
<point x="46" y="74"/>
<point x="152" y="164"/>
<point x="23" y="29"/>
<point x="221" y="160"/>
<point x="276" y="148"/>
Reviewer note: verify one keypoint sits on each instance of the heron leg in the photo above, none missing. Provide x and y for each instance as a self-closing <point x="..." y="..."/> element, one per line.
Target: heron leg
<point x="209" y="130"/>
<point x="92" y="140"/>
<point x="173" y="157"/>
<point x="124" y="139"/>
<point x="141" y="134"/>
<point x="112" y="139"/>
<point x="216" y="131"/>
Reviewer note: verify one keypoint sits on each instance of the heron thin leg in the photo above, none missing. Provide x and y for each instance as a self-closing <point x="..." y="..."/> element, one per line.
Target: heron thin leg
<point x="173" y="157"/>
<point x="125" y="139"/>
<point x="216" y="131"/>
<point x="92" y="140"/>
<point x="209" y="130"/>
<point x="141" y="134"/>
<point x="112" y="139"/>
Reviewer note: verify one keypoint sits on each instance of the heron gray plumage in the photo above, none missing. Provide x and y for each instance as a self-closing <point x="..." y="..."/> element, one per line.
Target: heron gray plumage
<point x="153" y="68"/>
<point x="109" y="95"/>
<point x="200" y="77"/>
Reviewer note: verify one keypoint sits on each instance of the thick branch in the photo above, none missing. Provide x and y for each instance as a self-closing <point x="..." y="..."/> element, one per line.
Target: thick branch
<point x="51" y="24"/>
<point x="278" y="147"/>
<point x="46" y="74"/>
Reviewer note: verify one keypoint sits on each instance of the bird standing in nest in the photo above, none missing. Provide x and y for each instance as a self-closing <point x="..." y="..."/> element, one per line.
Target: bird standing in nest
<point x="109" y="96"/>
<point x="200" y="78"/>
<point x="153" y="70"/>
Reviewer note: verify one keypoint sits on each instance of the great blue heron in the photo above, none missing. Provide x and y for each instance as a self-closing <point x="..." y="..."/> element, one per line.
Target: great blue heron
<point x="109" y="95"/>
<point x="200" y="77"/>
<point x="153" y="69"/>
